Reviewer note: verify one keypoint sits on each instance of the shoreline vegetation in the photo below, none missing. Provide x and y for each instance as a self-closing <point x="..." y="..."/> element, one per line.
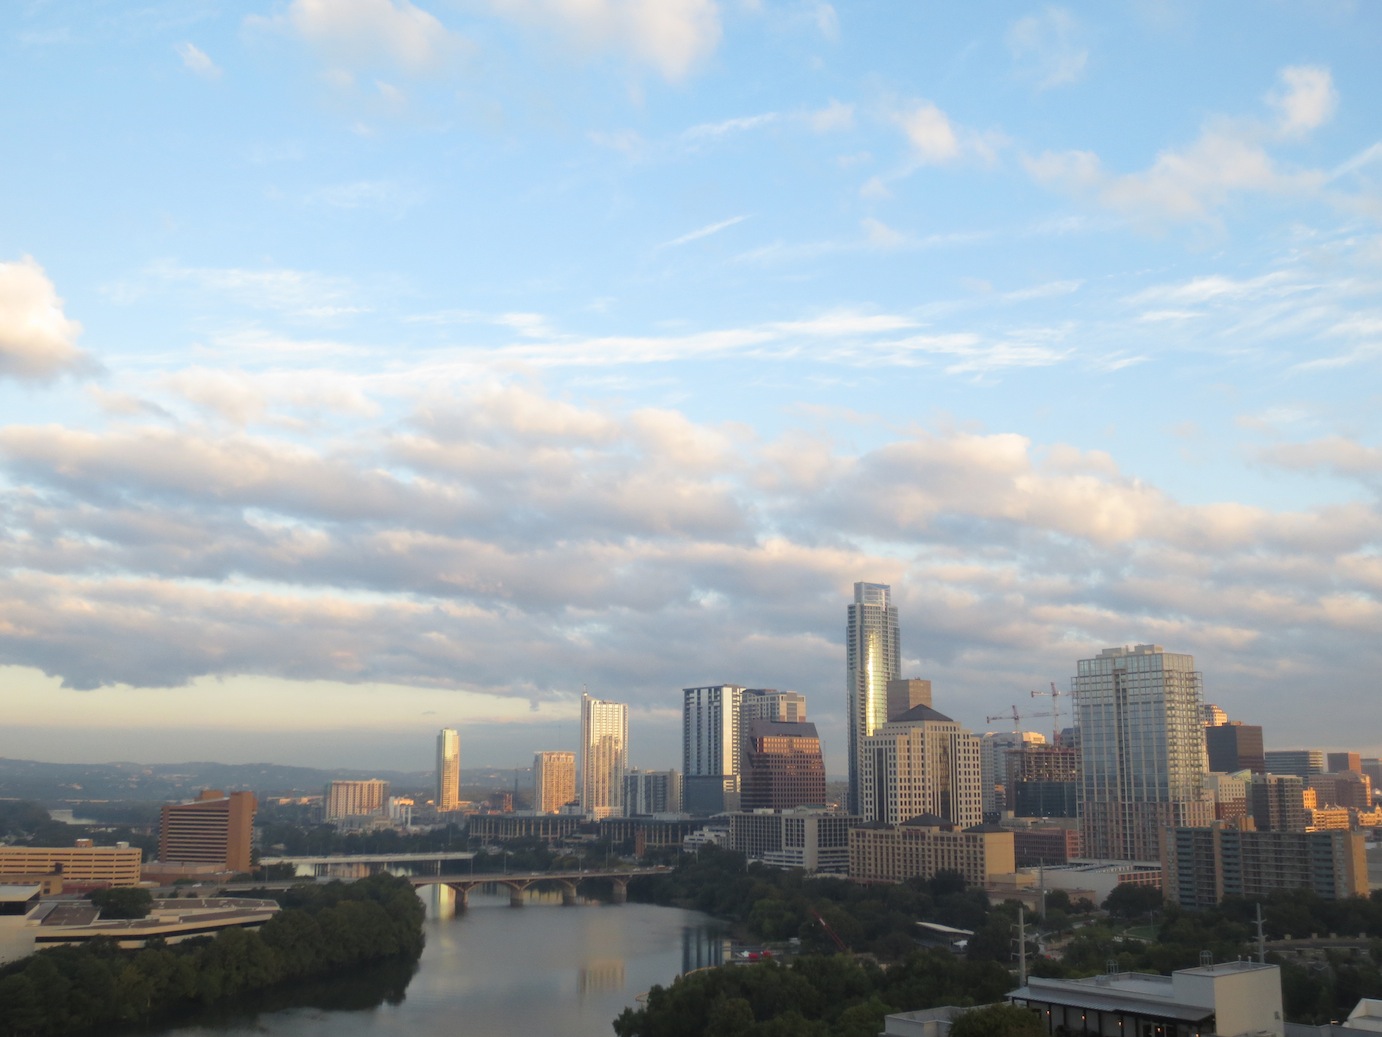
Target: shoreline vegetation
<point x="320" y="931"/>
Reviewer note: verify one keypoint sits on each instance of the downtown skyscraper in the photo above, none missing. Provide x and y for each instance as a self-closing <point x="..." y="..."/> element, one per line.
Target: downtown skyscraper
<point x="448" y="770"/>
<point x="604" y="756"/>
<point x="1142" y="754"/>
<point x="873" y="657"/>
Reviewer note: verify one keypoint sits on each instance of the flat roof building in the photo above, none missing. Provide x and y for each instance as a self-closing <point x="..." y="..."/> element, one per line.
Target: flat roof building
<point x="76" y="867"/>
<point x="925" y="845"/>
<point x="1204" y="865"/>
<point x="213" y="829"/>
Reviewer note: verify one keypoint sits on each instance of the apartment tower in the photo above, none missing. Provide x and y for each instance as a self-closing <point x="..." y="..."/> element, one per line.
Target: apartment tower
<point x="712" y="747"/>
<point x="604" y="756"/>
<point x="1142" y="753"/>
<point x="213" y="829"/>
<point x="448" y="770"/>
<point x="554" y="781"/>
<point x="873" y="657"/>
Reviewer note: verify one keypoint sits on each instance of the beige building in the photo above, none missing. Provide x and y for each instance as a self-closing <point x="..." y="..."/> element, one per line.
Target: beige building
<point x="813" y="840"/>
<point x="921" y="763"/>
<point x="82" y="866"/>
<point x="448" y="770"/>
<point x="213" y="829"/>
<point x="923" y="846"/>
<point x="554" y="781"/>
<point x="1204" y="865"/>
<point x="604" y="756"/>
<point x="342" y="799"/>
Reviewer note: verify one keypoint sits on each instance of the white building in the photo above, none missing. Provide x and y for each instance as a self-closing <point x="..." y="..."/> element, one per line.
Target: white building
<point x="711" y="747"/>
<point x="604" y="756"/>
<point x="1142" y="751"/>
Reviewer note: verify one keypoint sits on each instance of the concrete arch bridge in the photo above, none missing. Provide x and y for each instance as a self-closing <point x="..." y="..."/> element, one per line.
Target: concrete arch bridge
<point x="518" y="883"/>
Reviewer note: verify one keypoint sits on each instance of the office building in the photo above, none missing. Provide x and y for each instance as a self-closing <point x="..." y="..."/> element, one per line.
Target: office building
<point x="783" y="767"/>
<point x="813" y="840"/>
<point x="1036" y="847"/>
<point x="995" y="747"/>
<point x="604" y="756"/>
<point x="1372" y="767"/>
<point x="215" y="828"/>
<point x="711" y="747"/>
<point x="921" y="763"/>
<point x="906" y="693"/>
<point x="554" y="781"/>
<point x="343" y="799"/>
<point x="873" y="657"/>
<point x="789" y="707"/>
<point x="1343" y="788"/>
<point x="1043" y="781"/>
<point x="924" y="846"/>
<point x="448" y="770"/>
<point x="1234" y="747"/>
<point x="652" y="792"/>
<point x="1201" y="866"/>
<point x="82" y="866"/>
<point x="1229" y="793"/>
<point x="1212" y="716"/>
<point x="1300" y="762"/>
<point x="1335" y="763"/>
<point x="1142" y="756"/>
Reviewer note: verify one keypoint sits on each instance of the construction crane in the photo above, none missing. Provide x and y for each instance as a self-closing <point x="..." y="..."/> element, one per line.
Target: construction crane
<point x="834" y="936"/>
<point x="1055" y="694"/>
<point x="1017" y="717"/>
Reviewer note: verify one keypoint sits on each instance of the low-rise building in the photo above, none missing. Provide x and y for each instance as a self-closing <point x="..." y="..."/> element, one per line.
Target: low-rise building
<point x="925" y="845"/>
<point x="815" y="840"/>
<point x="80" y="867"/>
<point x="1096" y="879"/>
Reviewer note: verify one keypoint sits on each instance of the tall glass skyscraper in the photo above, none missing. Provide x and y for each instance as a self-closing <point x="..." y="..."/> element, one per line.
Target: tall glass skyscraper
<point x="448" y="769"/>
<point x="873" y="656"/>
<point x="604" y="756"/>
<point x="1142" y="755"/>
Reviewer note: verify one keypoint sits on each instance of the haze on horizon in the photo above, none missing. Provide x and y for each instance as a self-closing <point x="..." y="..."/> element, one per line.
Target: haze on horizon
<point x="373" y="366"/>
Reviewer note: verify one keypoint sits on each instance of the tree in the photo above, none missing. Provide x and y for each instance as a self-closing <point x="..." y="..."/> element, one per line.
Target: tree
<point x="998" y="1021"/>
<point x="1129" y="900"/>
<point x="122" y="902"/>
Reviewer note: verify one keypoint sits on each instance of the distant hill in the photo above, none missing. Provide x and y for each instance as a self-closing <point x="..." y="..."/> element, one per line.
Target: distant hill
<point x="56" y="784"/>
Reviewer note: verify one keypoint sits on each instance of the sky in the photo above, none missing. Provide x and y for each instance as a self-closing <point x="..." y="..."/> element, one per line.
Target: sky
<point x="368" y="366"/>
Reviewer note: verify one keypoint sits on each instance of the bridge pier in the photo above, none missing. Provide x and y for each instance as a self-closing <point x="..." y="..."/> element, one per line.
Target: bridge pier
<point x="568" y="894"/>
<point x="516" y="890"/>
<point x="620" y="892"/>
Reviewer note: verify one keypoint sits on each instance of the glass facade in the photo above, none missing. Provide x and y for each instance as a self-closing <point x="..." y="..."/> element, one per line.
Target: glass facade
<point x="872" y="659"/>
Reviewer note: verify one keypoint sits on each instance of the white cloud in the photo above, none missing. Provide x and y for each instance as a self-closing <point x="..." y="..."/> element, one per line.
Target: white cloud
<point x="672" y="37"/>
<point x="195" y="60"/>
<point x="1229" y="158"/>
<point x="880" y="235"/>
<point x="703" y="232"/>
<point x="1306" y="100"/>
<point x="1047" y="48"/>
<point x="834" y="116"/>
<point x="928" y="129"/>
<point x="38" y="341"/>
<point x="355" y="33"/>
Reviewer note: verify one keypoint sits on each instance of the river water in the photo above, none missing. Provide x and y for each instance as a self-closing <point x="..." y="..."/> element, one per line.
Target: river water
<point x="494" y="971"/>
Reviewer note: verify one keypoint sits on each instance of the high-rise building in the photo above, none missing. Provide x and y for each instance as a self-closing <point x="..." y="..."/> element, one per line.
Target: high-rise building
<point x="789" y="707"/>
<point x="554" y="781"/>
<point x="1300" y="762"/>
<point x="711" y="747"/>
<point x="1276" y="803"/>
<point x="873" y="657"/>
<point x="604" y="756"/>
<point x="448" y="770"/>
<point x="1043" y="781"/>
<point x="922" y="763"/>
<point x="906" y="693"/>
<point x="995" y="748"/>
<point x="1336" y="762"/>
<point x="652" y="792"/>
<point x="1142" y="756"/>
<point x="783" y="767"/>
<point x="342" y="799"/>
<point x="1235" y="746"/>
<point x="212" y="829"/>
<point x="1212" y="716"/>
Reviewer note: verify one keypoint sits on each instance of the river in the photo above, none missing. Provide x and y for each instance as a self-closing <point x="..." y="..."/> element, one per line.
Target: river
<point x="541" y="970"/>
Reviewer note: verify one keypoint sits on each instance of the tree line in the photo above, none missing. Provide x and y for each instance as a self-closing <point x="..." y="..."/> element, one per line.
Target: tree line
<point x="320" y="930"/>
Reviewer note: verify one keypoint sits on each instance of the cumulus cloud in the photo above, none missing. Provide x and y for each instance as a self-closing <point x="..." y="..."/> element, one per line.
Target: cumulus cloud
<point x="38" y="341"/>
<point x="1229" y="158"/>
<point x="361" y="33"/>
<point x="672" y="37"/>
<point x="505" y="540"/>
<point x="1047" y="48"/>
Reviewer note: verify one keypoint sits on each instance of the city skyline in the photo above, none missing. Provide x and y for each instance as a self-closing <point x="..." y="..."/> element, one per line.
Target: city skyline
<point x="372" y="367"/>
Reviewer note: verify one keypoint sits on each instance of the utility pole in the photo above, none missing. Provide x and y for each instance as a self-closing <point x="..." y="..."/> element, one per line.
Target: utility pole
<point x="1021" y="946"/>
<point x="1261" y="937"/>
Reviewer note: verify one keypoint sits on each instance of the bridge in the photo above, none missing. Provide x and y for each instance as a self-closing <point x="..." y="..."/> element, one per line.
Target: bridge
<point x="369" y="863"/>
<point x="518" y="883"/>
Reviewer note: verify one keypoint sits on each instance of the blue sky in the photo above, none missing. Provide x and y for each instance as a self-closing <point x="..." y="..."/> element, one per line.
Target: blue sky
<point x="368" y="366"/>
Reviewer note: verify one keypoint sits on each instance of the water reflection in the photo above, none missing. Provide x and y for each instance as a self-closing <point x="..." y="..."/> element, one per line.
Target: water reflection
<point x="564" y="971"/>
